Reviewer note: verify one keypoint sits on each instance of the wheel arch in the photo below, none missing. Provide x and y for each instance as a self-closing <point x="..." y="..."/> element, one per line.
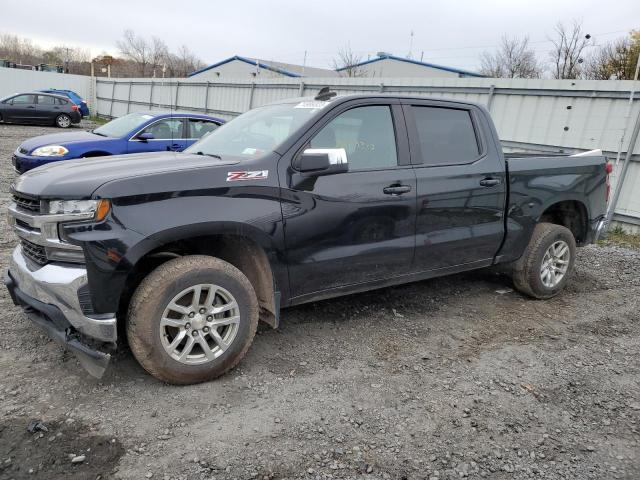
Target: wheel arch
<point x="245" y="250"/>
<point x="570" y="213"/>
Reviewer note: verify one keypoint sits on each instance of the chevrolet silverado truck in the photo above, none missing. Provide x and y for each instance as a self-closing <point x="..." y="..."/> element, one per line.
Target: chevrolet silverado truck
<point x="184" y="253"/>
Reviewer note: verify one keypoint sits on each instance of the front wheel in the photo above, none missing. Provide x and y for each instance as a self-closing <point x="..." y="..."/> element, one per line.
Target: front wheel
<point x="63" y="121"/>
<point x="192" y="319"/>
<point x="547" y="261"/>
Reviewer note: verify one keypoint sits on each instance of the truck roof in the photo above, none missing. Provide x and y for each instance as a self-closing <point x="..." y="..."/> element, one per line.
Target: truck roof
<point x="344" y="98"/>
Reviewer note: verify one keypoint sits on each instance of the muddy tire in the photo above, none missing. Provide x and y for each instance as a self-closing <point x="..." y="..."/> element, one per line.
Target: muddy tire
<point x="547" y="262"/>
<point x="192" y="319"/>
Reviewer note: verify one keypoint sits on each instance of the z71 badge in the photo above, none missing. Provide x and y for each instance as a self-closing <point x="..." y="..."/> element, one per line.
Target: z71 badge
<point x="254" y="175"/>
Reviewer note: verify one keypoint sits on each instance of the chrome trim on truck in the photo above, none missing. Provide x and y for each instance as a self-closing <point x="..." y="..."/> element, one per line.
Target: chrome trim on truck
<point x="58" y="285"/>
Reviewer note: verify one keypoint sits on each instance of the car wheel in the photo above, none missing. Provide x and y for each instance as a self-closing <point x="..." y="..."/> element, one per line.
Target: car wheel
<point x="547" y="262"/>
<point x="63" y="120"/>
<point x="192" y="319"/>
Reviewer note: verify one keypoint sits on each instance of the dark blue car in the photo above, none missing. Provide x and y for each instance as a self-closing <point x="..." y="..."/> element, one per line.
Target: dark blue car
<point x="73" y="96"/>
<point x="133" y="133"/>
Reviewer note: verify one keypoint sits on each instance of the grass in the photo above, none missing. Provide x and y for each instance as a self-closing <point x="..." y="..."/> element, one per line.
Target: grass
<point x="97" y="120"/>
<point x="618" y="235"/>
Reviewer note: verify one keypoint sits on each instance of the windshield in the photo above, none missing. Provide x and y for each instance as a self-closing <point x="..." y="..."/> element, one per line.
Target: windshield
<point x="258" y="131"/>
<point x="123" y="125"/>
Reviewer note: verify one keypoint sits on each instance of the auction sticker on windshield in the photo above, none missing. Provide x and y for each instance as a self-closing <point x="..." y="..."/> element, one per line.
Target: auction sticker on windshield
<point x="247" y="175"/>
<point x="312" y="104"/>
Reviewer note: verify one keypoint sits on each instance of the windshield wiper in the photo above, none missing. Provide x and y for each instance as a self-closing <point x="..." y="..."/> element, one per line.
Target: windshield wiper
<point x="98" y="133"/>
<point x="209" y="155"/>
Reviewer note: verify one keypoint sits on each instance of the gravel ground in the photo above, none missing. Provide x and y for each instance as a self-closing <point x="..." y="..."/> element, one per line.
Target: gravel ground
<point x="439" y="379"/>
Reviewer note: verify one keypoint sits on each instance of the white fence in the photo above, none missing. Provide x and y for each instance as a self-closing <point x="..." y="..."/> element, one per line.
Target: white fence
<point x="14" y="80"/>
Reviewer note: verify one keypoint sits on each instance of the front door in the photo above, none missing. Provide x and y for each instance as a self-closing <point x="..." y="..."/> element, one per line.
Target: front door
<point x="22" y="108"/>
<point x="461" y="186"/>
<point x="168" y="135"/>
<point x="354" y="227"/>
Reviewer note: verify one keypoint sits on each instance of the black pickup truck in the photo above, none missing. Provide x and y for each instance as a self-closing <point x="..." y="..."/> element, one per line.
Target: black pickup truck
<point x="302" y="200"/>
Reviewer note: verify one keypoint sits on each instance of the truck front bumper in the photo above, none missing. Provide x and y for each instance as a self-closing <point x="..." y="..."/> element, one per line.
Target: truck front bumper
<point x="49" y="297"/>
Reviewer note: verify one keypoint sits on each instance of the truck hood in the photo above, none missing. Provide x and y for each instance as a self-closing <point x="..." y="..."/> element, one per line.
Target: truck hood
<point x="81" y="177"/>
<point x="64" y="138"/>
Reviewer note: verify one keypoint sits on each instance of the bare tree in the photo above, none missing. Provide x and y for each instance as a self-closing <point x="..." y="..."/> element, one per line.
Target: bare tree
<point x="183" y="63"/>
<point x="514" y="59"/>
<point x="568" y="49"/>
<point x="19" y="50"/>
<point x="347" y="63"/>
<point x="158" y="53"/>
<point x="135" y="49"/>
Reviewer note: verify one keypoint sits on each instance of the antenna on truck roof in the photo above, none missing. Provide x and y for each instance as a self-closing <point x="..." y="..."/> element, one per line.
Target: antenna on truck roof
<point x="325" y="94"/>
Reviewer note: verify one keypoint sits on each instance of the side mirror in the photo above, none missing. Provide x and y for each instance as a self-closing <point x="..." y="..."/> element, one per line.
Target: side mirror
<point x="145" y="137"/>
<point x="322" y="161"/>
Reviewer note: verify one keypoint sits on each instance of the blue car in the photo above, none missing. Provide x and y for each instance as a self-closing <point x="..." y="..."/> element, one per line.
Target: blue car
<point x="73" y="96"/>
<point x="133" y="133"/>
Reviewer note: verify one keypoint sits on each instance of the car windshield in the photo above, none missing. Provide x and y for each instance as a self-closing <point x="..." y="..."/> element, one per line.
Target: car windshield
<point x="257" y="132"/>
<point x="123" y="125"/>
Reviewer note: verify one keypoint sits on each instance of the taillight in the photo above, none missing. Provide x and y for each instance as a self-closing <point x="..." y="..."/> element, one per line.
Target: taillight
<point x="74" y="108"/>
<point x="608" y="167"/>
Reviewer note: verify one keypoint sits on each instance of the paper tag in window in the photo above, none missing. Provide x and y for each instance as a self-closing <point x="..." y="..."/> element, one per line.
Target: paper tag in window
<point x="313" y="104"/>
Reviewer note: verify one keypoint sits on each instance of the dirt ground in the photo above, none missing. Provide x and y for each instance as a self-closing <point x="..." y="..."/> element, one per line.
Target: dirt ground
<point x="439" y="379"/>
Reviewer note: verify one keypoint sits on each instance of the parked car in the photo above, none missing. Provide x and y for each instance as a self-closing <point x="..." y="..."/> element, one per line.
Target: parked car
<point x="133" y="133"/>
<point x="75" y="98"/>
<point x="289" y="203"/>
<point x="42" y="108"/>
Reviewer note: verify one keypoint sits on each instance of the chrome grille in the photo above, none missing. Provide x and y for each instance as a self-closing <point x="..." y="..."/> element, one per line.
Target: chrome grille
<point x="27" y="203"/>
<point x="33" y="252"/>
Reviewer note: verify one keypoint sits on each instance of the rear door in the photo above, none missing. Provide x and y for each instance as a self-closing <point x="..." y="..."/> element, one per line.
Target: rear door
<point x="47" y="109"/>
<point x="168" y="135"/>
<point x="460" y="185"/>
<point x="354" y="227"/>
<point x="22" y="108"/>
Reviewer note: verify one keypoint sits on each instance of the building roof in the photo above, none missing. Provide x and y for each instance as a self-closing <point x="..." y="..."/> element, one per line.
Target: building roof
<point x="286" y="69"/>
<point x="387" y="56"/>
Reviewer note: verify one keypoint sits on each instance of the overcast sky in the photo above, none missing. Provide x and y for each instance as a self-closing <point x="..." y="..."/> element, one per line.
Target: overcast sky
<point x="450" y="32"/>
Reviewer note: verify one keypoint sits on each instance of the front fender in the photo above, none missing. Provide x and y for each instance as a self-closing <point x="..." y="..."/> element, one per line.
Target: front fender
<point x="141" y="224"/>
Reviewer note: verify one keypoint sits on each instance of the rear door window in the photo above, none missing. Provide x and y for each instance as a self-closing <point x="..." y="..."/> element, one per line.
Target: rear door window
<point x="446" y="135"/>
<point x="198" y="128"/>
<point x="46" y="100"/>
<point x="61" y="101"/>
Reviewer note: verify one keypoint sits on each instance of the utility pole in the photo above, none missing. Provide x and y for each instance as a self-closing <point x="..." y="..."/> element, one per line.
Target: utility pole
<point x="630" y="149"/>
<point x="410" y="54"/>
<point x="304" y="62"/>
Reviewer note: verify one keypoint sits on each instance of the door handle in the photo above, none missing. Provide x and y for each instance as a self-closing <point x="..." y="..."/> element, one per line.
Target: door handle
<point x="490" y="182"/>
<point x="396" y="189"/>
<point x="31" y="106"/>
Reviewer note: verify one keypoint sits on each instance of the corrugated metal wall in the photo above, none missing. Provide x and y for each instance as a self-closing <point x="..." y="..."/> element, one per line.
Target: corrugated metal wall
<point x="13" y="80"/>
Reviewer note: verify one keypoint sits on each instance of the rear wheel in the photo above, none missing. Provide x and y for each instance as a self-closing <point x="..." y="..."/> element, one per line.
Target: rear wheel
<point x="192" y="319"/>
<point x="63" y="120"/>
<point x="547" y="262"/>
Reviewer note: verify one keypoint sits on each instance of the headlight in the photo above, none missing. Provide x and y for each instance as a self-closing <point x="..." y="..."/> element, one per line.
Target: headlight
<point x="50" y="151"/>
<point x="97" y="208"/>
